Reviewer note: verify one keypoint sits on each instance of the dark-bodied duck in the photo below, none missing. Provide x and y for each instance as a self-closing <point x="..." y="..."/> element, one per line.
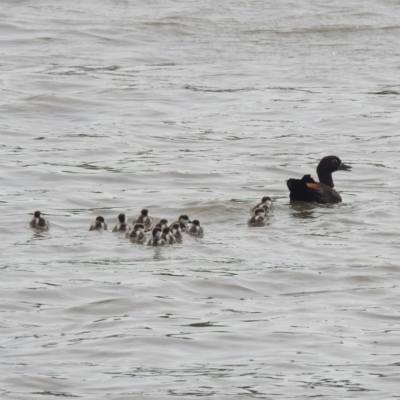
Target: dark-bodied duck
<point x="144" y="219"/>
<point x="323" y="192"/>
<point x="156" y="240"/>
<point x="122" y="225"/>
<point x="183" y="222"/>
<point x="195" y="229"/>
<point x="258" y="219"/>
<point x="266" y="204"/>
<point x="38" y="222"/>
<point x="138" y="234"/>
<point x="99" y="224"/>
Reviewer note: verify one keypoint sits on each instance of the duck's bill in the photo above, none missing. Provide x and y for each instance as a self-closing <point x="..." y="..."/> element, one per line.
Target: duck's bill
<point x="344" y="167"/>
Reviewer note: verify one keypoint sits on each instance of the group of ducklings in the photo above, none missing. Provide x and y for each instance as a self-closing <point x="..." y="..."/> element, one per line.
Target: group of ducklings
<point x="258" y="212"/>
<point x="162" y="233"/>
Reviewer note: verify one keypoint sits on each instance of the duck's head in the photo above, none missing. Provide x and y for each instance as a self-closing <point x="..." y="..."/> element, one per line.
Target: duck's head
<point x="331" y="164"/>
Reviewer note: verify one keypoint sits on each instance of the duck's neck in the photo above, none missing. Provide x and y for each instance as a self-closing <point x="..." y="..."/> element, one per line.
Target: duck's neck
<point x="325" y="177"/>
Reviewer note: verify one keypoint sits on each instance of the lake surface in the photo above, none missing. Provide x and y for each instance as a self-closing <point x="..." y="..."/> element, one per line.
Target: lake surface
<point x="201" y="109"/>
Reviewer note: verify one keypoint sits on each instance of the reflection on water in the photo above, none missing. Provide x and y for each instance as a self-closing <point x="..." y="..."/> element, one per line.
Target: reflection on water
<point x="302" y="209"/>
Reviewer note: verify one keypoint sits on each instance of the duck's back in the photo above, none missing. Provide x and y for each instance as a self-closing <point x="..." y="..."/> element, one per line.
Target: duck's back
<point x="306" y="189"/>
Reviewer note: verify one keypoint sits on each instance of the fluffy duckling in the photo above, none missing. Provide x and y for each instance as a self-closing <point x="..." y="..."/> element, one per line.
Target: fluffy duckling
<point x="122" y="225"/>
<point x="266" y="204"/>
<point x="195" y="229"/>
<point x="156" y="240"/>
<point x="163" y="223"/>
<point x="258" y="219"/>
<point x="138" y="234"/>
<point x="167" y="236"/>
<point x="38" y="222"/>
<point x="176" y="232"/>
<point x="144" y="219"/>
<point x="183" y="222"/>
<point x="99" y="224"/>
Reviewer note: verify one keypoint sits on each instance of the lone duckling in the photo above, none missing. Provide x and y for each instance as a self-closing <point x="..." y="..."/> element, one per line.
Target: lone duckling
<point x="122" y="225"/>
<point x="99" y="224"/>
<point x="38" y="222"/>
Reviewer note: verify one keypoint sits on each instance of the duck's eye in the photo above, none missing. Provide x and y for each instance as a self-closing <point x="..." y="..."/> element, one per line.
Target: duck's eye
<point x="334" y="161"/>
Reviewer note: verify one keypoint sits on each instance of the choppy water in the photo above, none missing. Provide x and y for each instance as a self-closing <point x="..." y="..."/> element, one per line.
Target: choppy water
<point x="199" y="108"/>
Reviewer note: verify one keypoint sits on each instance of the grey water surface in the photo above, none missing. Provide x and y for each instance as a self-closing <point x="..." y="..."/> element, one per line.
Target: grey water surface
<point x="200" y="108"/>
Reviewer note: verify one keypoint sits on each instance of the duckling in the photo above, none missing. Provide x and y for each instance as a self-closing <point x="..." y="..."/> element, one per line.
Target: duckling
<point x="195" y="229"/>
<point x="156" y="239"/>
<point x="99" y="224"/>
<point x="122" y="225"/>
<point x="265" y="204"/>
<point x="138" y="234"/>
<point x="163" y="223"/>
<point x="176" y="232"/>
<point x="167" y="236"/>
<point x="144" y="219"/>
<point x="38" y="222"/>
<point x="183" y="222"/>
<point x="258" y="219"/>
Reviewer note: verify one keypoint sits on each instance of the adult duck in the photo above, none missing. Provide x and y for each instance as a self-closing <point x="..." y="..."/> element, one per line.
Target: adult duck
<point x="323" y="192"/>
